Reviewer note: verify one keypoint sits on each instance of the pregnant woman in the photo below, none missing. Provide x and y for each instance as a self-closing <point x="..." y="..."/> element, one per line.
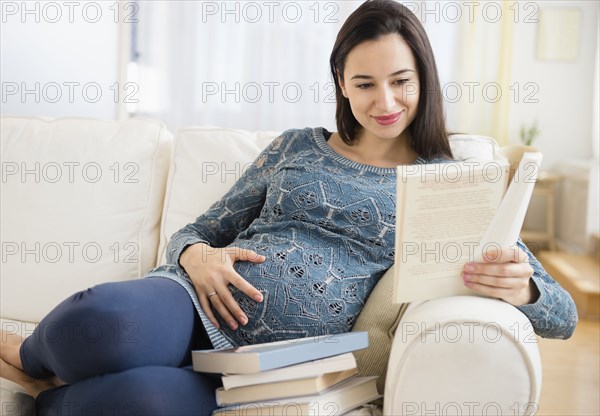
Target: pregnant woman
<point x="292" y="250"/>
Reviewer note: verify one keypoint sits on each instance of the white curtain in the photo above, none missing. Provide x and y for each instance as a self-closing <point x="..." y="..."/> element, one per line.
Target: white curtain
<point x="250" y="65"/>
<point x="473" y="44"/>
<point x="593" y="217"/>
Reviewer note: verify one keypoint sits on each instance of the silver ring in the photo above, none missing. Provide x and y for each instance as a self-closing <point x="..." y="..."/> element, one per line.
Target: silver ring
<point x="211" y="294"/>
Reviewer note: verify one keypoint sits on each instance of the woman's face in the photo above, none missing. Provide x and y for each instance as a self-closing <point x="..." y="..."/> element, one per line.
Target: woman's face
<point x="382" y="84"/>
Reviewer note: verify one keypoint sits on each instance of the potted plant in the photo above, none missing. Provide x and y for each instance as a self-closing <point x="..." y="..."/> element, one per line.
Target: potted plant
<point x="528" y="134"/>
<point x="514" y="152"/>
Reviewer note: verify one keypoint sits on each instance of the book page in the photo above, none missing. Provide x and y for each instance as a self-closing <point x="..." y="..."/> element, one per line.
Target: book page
<point x="442" y="212"/>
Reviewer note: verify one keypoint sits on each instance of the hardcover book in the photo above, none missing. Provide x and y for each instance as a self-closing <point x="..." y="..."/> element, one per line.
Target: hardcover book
<point x="283" y="389"/>
<point x="336" y="401"/>
<point x="304" y="370"/>
<point x="261" y="357"/>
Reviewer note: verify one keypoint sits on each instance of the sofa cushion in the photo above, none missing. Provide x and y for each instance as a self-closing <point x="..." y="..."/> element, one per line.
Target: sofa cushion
<point x="380" y="317"/>
<point x="206" y="162"/>
<point x="14" y="400"/>
<point x="81" y="205"/>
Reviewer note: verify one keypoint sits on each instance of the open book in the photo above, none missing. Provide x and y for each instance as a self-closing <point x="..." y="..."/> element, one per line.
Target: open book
<point x="449" y="214"/>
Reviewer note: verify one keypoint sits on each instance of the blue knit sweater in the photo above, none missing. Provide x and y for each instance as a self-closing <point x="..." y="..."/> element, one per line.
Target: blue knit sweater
<point x="326" y="226"/>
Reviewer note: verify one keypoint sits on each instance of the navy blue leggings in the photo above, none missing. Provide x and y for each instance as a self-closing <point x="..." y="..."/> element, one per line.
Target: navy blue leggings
<point x="124" y="349"/>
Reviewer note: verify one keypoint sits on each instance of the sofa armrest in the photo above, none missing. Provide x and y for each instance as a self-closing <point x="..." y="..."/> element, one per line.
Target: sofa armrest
<point x="463" y="355"/>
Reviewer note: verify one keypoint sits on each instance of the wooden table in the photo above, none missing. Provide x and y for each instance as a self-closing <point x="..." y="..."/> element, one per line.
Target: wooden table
<point x="544" y="187"/>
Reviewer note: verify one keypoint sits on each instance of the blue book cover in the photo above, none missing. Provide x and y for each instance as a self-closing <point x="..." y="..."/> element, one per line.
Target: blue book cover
<point x="261" y="357"/>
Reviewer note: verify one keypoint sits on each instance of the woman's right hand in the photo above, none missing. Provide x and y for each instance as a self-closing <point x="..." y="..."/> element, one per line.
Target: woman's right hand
<point x="211" y="270"/>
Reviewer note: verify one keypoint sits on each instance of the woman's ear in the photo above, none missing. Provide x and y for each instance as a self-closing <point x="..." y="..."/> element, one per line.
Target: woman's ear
<point x="341" y="82"/>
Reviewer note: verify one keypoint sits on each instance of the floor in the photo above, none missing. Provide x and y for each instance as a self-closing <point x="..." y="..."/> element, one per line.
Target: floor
<point x="571" y="373"/>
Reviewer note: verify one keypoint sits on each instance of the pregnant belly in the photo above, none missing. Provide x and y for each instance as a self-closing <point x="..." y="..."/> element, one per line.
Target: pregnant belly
<point x="305" y="293"/>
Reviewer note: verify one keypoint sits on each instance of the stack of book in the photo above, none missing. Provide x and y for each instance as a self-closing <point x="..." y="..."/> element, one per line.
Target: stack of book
<point x="307" y="376"/>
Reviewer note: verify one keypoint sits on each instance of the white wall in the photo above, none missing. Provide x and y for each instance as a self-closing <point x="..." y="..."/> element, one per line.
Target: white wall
<point x="66" y="55"/>
<point x="565" y="89"/>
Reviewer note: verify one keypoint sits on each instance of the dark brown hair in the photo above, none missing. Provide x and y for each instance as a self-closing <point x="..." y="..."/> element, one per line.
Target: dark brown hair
<point x="372" y="20"/>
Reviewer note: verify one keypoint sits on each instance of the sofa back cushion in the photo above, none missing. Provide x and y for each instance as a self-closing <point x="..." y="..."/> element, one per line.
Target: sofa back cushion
<point x="81" y="205"/>
<point x="206" y="162"/>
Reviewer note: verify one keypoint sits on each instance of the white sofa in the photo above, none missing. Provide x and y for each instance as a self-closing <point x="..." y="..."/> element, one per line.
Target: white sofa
<point x="88" y="201"/>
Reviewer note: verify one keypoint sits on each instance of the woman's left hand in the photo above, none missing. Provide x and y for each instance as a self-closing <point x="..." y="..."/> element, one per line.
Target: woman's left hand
<point x="506" y="274"/>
